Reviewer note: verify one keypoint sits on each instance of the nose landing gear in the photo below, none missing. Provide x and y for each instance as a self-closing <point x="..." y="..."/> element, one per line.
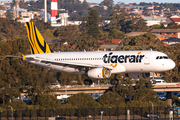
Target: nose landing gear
<point x="114" y="81"/>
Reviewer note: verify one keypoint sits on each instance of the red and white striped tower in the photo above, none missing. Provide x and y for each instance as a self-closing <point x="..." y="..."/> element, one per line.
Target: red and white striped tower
<point x="54" y="11"/>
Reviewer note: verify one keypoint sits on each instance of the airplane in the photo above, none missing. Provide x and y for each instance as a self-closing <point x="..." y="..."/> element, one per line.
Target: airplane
<point x="96" y="64"/>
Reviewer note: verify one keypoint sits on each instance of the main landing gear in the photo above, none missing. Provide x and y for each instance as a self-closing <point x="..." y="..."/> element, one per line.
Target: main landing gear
<point x="114" y="81"/>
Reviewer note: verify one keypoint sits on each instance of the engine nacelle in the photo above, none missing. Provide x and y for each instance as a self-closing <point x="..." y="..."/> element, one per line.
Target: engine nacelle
<point x="138" y="75"/>
<point x="99" y="73"/>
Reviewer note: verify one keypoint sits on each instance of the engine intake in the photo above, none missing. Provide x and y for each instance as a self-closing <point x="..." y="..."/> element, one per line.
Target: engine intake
<point x="99" y="73"/>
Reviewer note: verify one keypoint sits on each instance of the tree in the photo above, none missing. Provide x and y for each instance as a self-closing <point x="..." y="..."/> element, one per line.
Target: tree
<point x="133" y="25"/>
<point x="107" y="2"/>
<point x="92" y="22"/>
<point x="68" y="33"/>
<point x="158" y="26"/>
<point x="1" y="37"/>
<point x="9" y="14"/>
<point x="41" y="25"/>
<point x="47" y="101"/>
<point x="111" y="99"/>
<point x="117" y="19"/>
<point x="173" y="25"/>
<point x="117" y="34"/>
<point x="82" y="100"/>
<point x="125" y="89"/>
<point x="87" y="43"/>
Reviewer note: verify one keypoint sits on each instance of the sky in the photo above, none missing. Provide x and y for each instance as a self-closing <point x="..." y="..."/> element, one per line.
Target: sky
<point x="131" y="1"/>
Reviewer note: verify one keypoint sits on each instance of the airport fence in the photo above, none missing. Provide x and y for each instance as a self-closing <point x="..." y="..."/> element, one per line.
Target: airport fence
<point x="89" y="113"/>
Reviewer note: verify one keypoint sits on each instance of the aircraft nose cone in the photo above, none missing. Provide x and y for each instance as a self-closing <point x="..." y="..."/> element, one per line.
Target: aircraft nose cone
<point x="171" y="64"/>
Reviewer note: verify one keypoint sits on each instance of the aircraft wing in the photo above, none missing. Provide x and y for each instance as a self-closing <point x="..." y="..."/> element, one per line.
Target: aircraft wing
<point x="60" y="63"/>
<point x="10" y="56"/>
<point x="72" y="64"/>
<point x="67" y="64"/>
<point x="22" y="57"/>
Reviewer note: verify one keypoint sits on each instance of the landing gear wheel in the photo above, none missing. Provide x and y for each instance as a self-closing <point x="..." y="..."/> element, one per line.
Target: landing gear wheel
<point x="114" y="82"/>
<point x="88" y="82"/>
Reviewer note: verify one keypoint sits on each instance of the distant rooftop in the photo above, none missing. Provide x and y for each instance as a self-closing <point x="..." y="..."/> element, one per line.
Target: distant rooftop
<point x="171" y="40"/>
<point x="132" y="34"/>
<point x="175" y="19"/>
<point x="155" y="19"/>
<point x="165" y="30"/>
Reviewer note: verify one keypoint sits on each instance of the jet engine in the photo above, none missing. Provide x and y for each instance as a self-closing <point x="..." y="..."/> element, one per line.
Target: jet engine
<point x="99" y="73"/>
<point x="138" y="75"/>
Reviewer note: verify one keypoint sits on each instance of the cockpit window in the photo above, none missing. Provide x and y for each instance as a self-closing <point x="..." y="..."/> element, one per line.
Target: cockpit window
<point x="162" y="57"/>
<point x="165" y="57"/>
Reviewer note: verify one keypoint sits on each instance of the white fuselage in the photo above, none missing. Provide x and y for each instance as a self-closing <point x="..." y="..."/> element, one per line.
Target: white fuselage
<point x="117" y="61"/>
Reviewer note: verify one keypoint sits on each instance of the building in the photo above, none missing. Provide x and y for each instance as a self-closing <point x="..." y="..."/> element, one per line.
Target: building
<point x="109" y="47"/>
<point x="133" y="34"/>
<point x="167" y="32"/>
<point x="2" y="13"/>
<point x="117" y="41"/>
<point x="171" y="41"/>
<point x="175" y="19"/>
<point x="135" y="7"/>
<point x="155" y="20"/>
<point x="62" y="20"/>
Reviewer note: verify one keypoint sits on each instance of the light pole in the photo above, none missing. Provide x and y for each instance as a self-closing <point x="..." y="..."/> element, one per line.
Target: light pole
<point x="11" y="110"/>
<point x="53" y="111"/>
<point x="152" y="110"/>
<point x="45" y="11"/>
<point x="101" y="114"/>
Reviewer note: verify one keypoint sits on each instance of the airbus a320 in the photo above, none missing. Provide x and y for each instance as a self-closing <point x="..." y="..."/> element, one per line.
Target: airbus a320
<point x="96" y="64"/>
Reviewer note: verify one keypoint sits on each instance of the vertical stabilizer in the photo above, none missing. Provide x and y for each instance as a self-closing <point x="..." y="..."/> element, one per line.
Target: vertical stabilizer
<point x="36" y="41"/>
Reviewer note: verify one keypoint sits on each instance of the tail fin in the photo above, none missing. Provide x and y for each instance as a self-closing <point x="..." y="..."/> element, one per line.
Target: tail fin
<point x="37" y="43"/>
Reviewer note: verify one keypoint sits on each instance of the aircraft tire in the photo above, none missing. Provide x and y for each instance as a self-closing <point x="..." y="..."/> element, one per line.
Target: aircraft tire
<point x="114" y="82"/>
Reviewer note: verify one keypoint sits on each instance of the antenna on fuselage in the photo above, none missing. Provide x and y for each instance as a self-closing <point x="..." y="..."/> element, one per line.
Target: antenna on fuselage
<point x="84" y="50"/>
<point x="151" y="49"/>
